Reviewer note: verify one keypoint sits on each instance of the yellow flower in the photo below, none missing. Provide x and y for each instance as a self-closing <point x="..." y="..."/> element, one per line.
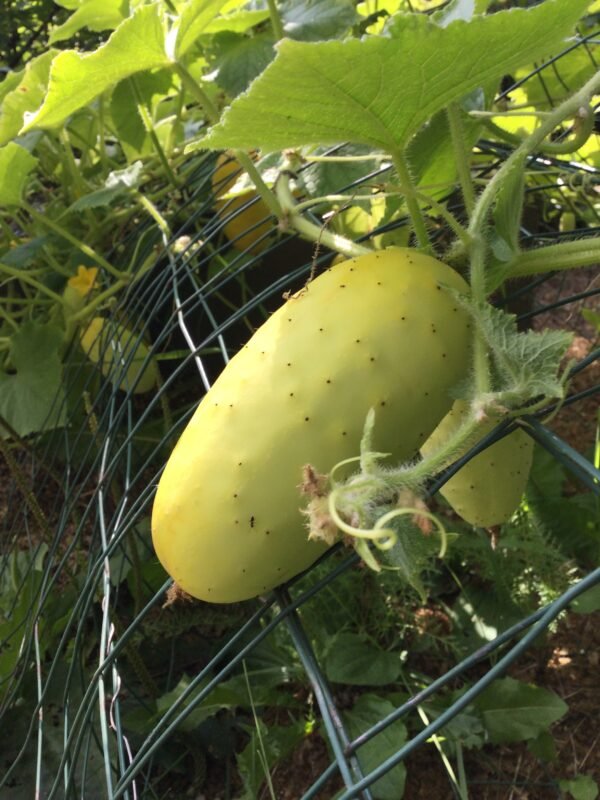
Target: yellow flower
<point x="83" y="282"/>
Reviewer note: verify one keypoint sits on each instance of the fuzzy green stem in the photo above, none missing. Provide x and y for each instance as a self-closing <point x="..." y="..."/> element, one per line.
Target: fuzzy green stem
<point x="8" y="318"/>
<point x="149" y="128"/>
<point x="243" y="158"/>
<point x="70" y="165"/>
<point x="207" y="105"/>
<point x="21" y="275"/>
<point x="343" y="159"/>
<point x="98" y="300"/>
<point x="276" y="23"/>
<point x="478" y="293"/>
<point x="583" y="127"/>
<point x="102" y="135"/>
<point x="452" y="446"/>
<point x="562" y="256"/>
<point x="569" y="108"/>
<point x="154" y="213"/>
<point x="406" y="184"/>
<point x="84" y="248"/>
<point x="261" y="187"/>
<point x="310" y="231"/>
<point x="461" y="157"/>
<point x="448" y="216"/>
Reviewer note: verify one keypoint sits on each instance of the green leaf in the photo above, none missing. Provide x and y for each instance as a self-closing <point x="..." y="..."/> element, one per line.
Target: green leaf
<point x="592" y="317"/>
<point x="270" y="744"/>
<point x="11" y="80"/>
<point x="412" y="553"/>
<point x="588" y="602"/>
<point x="368" y="710"/>
<point x="240" y="59"/>
<point x="507" y="218"/>
<point x="195" y="17"/>
<point x="118" y="183"/>
<point x="465" y="729"/>
<point x="526" y="365"/>
<point x="26" y="95"/>
<point x="31" y="400"/>
<point x="15" y="165"/>
<point x="543" y="746"/>
<point x="353" y="661"/>
<point x="76" y="79"/>
<point x="513" y="711"/>
<point x="19" y="587"/>
<point x="238" y="22"/>
<point x="151" y="88"/>
<point x="581" y="787"/>
<point x="329" y="92"/>
<point x="315" y="20"/>
<point x="431" y="154"/>
<point x="328" y="177"/>
<point x="95" y="15"/>
<point x="23" y="254"/>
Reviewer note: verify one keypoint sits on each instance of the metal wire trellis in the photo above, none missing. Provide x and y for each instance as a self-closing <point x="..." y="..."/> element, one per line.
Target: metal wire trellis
<point x="87" y="593"/>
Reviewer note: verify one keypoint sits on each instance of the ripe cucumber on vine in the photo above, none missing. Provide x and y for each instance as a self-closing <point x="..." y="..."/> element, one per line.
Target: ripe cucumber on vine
<point x="503" y="375"/>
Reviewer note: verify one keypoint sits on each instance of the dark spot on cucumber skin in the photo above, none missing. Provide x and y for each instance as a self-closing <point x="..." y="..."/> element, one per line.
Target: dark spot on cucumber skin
<point x="344" y="433"/>
<point x="382" y="403"/>
<point x="306" y="419"/>
<point x="267" y="533"/>
<point x="328" y="380"/>
<point x="357" y="341"/>
<point x="342" y="285"/>
<point x="251" y="522"/>
<point x="289" y="364"/>
<point x="237" y="522"/>
<point x="235" y="495"/>
<point x="372" y="358"/>
<point x="320" y="330"/>
<point x="403" y="319"/>
<point x="243" y="571"/>
<point x="291" y="394"/>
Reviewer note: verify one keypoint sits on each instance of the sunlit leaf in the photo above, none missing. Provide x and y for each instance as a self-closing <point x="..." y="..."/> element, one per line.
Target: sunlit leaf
<point x="77" y="79"/>
<point x="380" y="91"/>
<point x="95" y="15"/>
<point x="26" y="95"/>
<point x="195" y="17"/>
<point x="15" y="165"/>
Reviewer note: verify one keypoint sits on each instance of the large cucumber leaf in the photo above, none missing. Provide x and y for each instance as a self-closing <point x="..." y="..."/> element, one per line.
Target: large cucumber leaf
<point x="380" y="91"/>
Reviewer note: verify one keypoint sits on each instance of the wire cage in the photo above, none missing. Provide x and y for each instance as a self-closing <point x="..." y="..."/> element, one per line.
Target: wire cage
<point x="91" y="644"/>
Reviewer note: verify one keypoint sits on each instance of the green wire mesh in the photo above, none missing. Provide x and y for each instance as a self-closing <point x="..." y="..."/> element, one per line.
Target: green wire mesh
<point x="88" y="632"/>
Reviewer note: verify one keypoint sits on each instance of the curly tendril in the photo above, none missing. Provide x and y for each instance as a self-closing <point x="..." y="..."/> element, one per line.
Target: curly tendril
<point x="382" y="537"/>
